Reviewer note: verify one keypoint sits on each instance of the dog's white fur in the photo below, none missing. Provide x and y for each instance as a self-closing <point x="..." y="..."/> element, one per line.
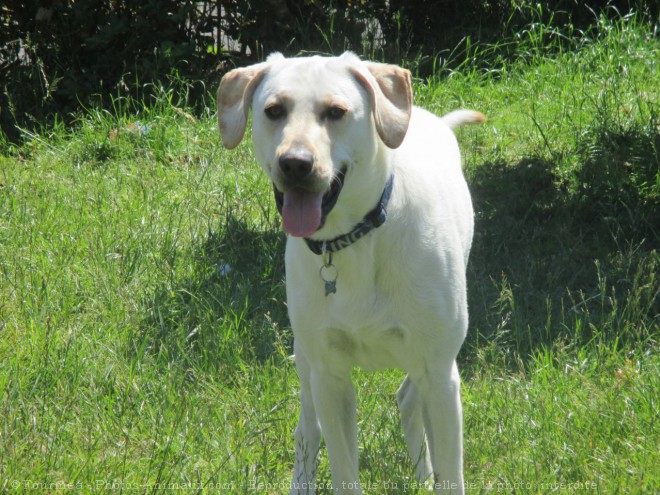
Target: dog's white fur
<point x="401" y="290"/>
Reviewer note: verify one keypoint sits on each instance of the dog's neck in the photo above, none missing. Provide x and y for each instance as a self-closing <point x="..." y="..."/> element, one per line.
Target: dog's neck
<point x="372" y="220"/>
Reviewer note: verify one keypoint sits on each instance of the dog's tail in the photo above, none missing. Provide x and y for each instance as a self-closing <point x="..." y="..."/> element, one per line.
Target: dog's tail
<point x="458" y="118"/>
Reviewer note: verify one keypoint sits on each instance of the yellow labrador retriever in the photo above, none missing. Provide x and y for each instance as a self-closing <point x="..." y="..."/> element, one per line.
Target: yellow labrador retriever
<point x="379" y="222"/>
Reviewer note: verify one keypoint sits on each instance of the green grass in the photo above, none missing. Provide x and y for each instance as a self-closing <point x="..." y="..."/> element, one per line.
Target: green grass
<point x="132" y="360"/>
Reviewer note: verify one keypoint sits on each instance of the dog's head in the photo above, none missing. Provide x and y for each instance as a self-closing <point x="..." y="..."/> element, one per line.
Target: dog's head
<point x="317" y="123"/>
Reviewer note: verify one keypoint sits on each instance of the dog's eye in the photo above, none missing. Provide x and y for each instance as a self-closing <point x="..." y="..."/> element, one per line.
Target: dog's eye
<point x="334" y="113"/>
<point x="275" y="112"/>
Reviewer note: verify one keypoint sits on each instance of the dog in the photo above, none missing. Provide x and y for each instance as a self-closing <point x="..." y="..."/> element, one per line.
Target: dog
<point x="379" y="225"/>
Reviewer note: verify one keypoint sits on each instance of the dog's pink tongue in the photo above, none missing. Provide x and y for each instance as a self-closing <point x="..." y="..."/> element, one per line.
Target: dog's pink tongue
<point x="301" y="212"/>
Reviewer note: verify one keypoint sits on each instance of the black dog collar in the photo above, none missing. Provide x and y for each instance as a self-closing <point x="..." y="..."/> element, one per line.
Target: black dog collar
<point x="372" y="220"/>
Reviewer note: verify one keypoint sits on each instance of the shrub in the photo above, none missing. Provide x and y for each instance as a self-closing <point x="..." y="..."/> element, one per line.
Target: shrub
<point x="56" y="54"/>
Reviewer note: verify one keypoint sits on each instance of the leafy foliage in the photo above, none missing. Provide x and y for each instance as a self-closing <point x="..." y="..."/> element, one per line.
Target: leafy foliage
<point x="56" y="55"/>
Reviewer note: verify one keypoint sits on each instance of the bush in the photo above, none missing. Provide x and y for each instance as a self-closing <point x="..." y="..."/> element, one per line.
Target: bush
<point x="56" y="55"/>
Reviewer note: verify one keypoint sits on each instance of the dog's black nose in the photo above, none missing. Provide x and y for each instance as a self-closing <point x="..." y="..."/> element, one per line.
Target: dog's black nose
<point x="296" y="164"/>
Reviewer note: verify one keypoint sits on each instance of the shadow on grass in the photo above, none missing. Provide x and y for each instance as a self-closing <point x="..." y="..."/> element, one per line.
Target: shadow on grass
<point x="228" y="308"/>
<point x="553" y="246"/>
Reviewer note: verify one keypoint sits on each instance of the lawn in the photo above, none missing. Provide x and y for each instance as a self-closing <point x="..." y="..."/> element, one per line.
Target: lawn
<point x="144" y="340"/>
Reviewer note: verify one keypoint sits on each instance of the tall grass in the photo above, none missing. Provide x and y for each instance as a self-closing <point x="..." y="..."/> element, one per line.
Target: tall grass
<point x="144" y="333"/>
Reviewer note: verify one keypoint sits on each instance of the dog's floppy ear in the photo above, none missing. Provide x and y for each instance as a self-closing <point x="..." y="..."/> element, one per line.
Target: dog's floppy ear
<point x="391" y="97"/>
<point x="234" y="100"/>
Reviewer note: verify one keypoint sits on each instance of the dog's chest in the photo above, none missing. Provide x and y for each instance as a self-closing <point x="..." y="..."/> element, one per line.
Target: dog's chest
<point x="370" y="347"/>
<point x="363" y="323"/>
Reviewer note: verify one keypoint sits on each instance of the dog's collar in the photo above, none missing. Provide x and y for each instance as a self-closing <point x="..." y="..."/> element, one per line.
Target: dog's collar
<point x="372" y="220"/>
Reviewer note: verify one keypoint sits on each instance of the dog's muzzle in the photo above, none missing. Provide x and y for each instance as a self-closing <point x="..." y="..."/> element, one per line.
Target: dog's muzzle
<point x="304" y="211"/>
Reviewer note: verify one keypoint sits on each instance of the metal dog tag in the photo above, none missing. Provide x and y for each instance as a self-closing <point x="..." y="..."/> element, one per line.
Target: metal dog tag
<point x="330" y="287"/>
<point x="328" y="273"/>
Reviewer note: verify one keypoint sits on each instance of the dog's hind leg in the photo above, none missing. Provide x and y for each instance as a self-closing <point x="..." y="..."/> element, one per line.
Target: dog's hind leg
<point x="412" y="421"/>
<point x="307" y="435"/>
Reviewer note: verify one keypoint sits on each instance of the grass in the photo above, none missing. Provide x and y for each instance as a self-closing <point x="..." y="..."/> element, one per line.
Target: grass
<point x="144" y="331"/>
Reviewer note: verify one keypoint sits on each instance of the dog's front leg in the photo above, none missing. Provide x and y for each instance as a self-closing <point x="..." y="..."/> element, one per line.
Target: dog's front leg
<point x="440" y="390"/>
<point x="308" y="434"/>
<point x="334" y="400"/>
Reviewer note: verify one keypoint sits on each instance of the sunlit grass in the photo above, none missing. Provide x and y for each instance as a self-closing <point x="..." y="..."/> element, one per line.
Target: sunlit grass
<point x="145" y="341"/>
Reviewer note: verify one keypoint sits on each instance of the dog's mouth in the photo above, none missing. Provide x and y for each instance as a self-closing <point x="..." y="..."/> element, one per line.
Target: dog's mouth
<point x="304" y="212"/>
